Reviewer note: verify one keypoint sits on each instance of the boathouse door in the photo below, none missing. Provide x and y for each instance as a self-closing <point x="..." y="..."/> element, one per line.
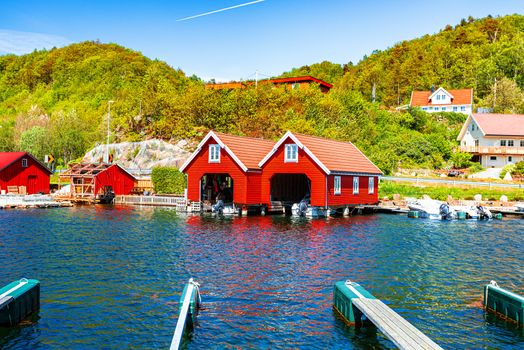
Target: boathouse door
<point x="289" y="188"/>
<point x="31" y="184"/>
<point x="216" y="185"/>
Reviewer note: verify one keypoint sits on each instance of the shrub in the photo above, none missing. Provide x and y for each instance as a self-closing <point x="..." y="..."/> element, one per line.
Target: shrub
<point x="518" y="169"/>
<point x="475" y="168"/>
<point x="461" y="160"/>
<point x="168" y="180"/>
<point x="507" y="168"/>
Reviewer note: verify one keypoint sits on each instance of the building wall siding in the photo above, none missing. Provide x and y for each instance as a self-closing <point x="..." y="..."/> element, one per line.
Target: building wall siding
<point x="305" y="165"/>
<point x="346" y="196"/>
<point x="33" y="177"/>
<point x="114" y="176"/>
<point x="201" y="166"/>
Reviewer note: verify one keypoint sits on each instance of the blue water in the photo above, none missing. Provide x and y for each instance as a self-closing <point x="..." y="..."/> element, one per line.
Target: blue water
<point x="111" y="278"/>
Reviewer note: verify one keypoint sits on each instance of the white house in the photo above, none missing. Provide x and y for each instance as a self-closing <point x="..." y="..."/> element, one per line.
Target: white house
<point x="442" y="100"/>
<point x="494" y="139"/>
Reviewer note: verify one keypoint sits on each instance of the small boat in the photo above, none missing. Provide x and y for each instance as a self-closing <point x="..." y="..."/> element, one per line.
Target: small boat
<point x="519" y="207"/>
<point x="427" y="208"/>
<point x="221" y="208"/>
<point x="107" y="196"/>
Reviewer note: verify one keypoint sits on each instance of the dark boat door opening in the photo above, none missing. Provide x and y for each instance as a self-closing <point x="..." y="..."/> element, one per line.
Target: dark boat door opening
<point x="289" y="188"/>
<point x="216" y="185"/>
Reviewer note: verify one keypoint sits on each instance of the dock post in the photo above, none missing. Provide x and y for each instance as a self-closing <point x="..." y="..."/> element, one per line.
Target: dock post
<point x="190" y="302"/>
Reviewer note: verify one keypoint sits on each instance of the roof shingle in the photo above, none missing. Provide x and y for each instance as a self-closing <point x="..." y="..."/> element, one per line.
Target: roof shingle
<point x="460" y="97"/>
<point x="500" y="124"/>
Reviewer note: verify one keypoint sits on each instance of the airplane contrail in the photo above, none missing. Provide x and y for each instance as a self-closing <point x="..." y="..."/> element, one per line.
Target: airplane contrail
<point x="220" y="10"/>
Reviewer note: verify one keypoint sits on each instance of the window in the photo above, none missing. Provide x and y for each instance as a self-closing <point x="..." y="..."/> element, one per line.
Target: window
<point x="214" y="153"/>
<point x="503" y="143"/>
<point x="337" y="185"/>
<point x="511" y="143"/>
<point x="444" y="108"/>
<point x="424" y="108"/>
<point x="455" y="108"/>
<point x="371" y="185"/>
<point x="291" y="153"/>
<point x="355" y="184"/>
<point x="443" y="97"/>
<point x="493" y="158"/>
<point x="510" y="158"/>
<point x="462" y="108"/>
<point x="438" y="97"/>
<point x="436" y="108"/>
<point x="24" y="162"/>
<point x="476" y="143"/>
<point x="521" y="143"/>
<point x="430" y="108"/>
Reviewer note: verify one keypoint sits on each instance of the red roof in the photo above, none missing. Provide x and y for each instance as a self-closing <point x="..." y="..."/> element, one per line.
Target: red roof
<point x="460" y="97"/>
<point x="301" y="79"/>
<point x="249" y="150"/>
<point x="500" y="124"/>
<point x="338" y="156"/>
<point x="8" y="158"/>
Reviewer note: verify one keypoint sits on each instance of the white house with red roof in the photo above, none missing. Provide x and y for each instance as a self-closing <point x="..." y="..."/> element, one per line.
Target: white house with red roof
<point x="495" y="140"/>
<point x="442" y="100"/>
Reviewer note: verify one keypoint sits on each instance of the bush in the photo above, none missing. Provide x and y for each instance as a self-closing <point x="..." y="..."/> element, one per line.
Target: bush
<point x="475" y="168"/>
<point x="518" y="169"/>
<point x="168" y="180"/>
<point x="506" y="169"/>
<point x="461" y="160"/>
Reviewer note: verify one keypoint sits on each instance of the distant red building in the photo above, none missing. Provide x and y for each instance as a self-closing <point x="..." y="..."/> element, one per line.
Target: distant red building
<point x="333" y="174"/>
<point x="301" y="82"/>
<point x="21" y="169"/>
<point x="228" y="161"/>
<point x="89" y="180"/>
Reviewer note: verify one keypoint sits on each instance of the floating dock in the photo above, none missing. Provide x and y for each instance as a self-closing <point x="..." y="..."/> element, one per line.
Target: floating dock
<point x="18" y="300"/>
<point x="359" y="307"/>
<point x="503" y="303"/>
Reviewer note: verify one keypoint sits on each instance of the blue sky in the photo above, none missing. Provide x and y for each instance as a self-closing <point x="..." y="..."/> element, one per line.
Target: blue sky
<point x="270" y="36"/>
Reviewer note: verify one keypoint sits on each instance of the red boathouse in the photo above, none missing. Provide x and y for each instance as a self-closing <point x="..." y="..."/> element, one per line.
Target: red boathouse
<point x="89" y="180"/>
<point x="21" y="170"/>
<point x="228" y="164"/>
<point x="332" y="174"/>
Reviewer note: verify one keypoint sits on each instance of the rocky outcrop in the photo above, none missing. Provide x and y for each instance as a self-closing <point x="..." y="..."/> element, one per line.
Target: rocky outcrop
<point x="142" y="155"/>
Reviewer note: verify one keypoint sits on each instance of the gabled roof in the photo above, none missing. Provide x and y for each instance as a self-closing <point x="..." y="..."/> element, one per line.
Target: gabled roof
<point x="8" y="158"/>
<point x="245" y="151"/>
<point x="331" y="156"/>
<point x="459" y="97"/>
<point x="511" y="125"/>
<point x="440" y="90"/>
<point x="90" y="169"/>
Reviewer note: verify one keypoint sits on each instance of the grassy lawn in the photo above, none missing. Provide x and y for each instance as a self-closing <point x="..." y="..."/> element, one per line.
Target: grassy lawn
<point x="441" y="191"/>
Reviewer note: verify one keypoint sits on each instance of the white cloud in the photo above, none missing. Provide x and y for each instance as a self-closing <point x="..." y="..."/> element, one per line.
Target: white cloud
<point x="20" y="43"/>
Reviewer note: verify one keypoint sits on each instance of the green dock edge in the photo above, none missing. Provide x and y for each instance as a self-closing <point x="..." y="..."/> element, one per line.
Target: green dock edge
<point x="342" y="302"/>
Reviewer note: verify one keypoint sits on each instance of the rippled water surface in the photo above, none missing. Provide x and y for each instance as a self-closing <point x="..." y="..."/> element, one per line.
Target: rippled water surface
<point x="111" y="278"/>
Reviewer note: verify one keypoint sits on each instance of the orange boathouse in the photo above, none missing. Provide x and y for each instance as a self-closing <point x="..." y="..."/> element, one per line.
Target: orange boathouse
<point x="253" y="172"/>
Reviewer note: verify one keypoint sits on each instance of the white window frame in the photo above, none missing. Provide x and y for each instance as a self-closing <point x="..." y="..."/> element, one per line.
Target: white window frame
<point x="511" y="143"/>
<point x="24" y="163"/>
<point x="521" y="143"/>
<point x="355" y="184"/>
<point x="337" y="185"/>
<point x="438" y="97"/>
<point x="462" y="108"/>
<point x="455" y="108"/>
<point x="371" y="185"/>
<point x="214" y="153"/>
<point x="503" y="143"/>
<point x="291" y="153"/>
<point x="444" y="108"/>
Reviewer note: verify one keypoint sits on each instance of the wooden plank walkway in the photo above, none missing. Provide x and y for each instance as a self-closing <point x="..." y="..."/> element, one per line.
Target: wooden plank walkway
<point x="402" y="333"/>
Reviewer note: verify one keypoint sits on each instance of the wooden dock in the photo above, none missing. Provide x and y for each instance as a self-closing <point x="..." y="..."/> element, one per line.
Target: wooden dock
<point x="358" y="307"/>
<point x="402" y="333"/>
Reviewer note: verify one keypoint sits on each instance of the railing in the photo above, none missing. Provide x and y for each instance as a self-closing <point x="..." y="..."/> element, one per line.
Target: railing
<point x="175" y="201"/>
<point x="493" y="149"/>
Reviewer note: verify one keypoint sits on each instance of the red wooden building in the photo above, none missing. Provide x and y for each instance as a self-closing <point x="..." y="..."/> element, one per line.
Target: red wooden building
<point x="302" y="82"/>
<point x="22" y="170"/>
<point x="333" y="174"/>
<point x="89" y="180"/>
<point x="228" y="164"/>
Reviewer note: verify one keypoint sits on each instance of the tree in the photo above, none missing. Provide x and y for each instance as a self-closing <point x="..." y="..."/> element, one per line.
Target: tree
<point x="506" y="97"/>
<point x="35" y="141"/>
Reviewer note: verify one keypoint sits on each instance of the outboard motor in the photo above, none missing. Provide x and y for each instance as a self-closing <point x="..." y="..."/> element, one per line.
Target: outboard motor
<point x="302" y="207"/>
<point x="484" y="213"/>
<point x="219" y="207"/>
<point x="446" y="212"/>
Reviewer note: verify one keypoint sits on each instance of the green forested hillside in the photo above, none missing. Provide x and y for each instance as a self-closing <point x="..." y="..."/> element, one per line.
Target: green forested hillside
<point x="474" y="54"/>
<point x="57" y="101"/>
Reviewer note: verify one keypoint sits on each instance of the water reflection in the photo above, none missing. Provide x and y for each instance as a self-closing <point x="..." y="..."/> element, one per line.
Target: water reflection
<point x="113" y="275"/>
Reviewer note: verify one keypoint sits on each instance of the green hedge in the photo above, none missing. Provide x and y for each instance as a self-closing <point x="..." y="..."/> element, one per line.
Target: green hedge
<point x="168" y="180"/>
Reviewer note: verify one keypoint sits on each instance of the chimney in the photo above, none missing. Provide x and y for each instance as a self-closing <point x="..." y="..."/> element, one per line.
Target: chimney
<point x="432" y="88"/>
